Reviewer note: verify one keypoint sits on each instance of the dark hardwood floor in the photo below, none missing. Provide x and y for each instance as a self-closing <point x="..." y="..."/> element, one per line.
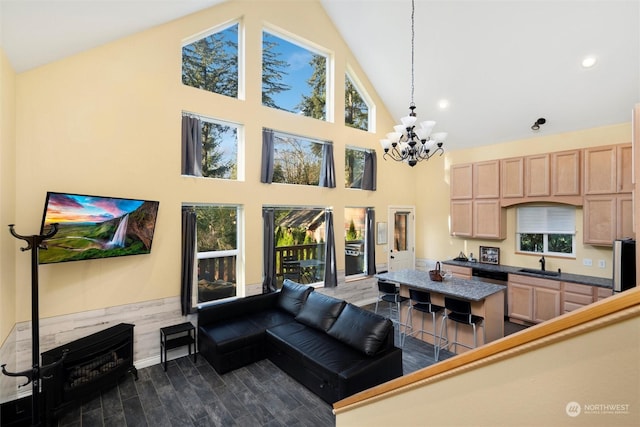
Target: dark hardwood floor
<point x="193" y="394"/>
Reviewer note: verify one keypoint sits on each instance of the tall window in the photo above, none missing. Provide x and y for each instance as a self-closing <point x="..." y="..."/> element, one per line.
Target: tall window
<point x="297" y="160"/>
<point x="354" y="241"/>
<point x="294" y="77"/>
<point x="300" y="244"/>
<point x="546" y="230"/>
<point x="218" y="153"/>
<point x="218" y="251"/>
<point x="356" y="109"/>
<point x="211" y="63"/>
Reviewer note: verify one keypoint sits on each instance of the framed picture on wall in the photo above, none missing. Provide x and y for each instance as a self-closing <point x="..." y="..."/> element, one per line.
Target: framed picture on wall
<point x="489" y="255"/>
<point x="381" y="235"/>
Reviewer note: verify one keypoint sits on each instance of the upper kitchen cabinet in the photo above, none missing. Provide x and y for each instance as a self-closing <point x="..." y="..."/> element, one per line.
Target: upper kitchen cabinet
<point x="537" y="176"/>
<point x="565" y="173"/>
<point x="461" y="181"/>
<point x="624" y="164"/>
<point x="486" y="180"/>
<point x="607" y="170"/>
<point x="512" y="182"/>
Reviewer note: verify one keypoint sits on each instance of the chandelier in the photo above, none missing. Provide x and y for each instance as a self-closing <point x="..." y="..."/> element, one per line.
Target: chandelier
<point x="411" y="142"/>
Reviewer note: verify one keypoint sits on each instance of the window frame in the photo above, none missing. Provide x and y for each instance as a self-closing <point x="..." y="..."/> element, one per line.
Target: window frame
<point x="284" y="135"/>
<point x="316" y="49"/>
<point x="521" y="230"/>
<point x="351" y="76"/>
<point x="238" y="252"/>
<point x="240" y="54"/>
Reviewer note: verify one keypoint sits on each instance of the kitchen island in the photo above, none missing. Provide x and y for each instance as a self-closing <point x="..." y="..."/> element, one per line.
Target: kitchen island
<point x="487" y="300"/>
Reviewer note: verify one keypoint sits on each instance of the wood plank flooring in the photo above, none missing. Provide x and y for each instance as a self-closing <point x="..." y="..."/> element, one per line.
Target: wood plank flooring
<point x="193" y="394"/>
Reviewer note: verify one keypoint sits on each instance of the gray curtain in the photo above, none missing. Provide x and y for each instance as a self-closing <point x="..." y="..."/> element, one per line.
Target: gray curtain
<point x="369" y="176"/>
<point x="268" y="252"/>
<point x="188" y="259"/>
<point x="327" y="170"/>
<point x="191" y="146"/>
<point x="369" y="241"/>
<point x="330" y="273"/>
<point x="266" y="172"/>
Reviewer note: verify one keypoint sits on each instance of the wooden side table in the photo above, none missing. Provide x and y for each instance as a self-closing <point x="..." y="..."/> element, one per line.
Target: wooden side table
<point x="185" y="334"/>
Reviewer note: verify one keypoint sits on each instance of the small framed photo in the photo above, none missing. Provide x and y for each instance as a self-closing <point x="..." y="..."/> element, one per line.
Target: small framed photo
<point x="381" y="238"/>
<point x="489" y="255"/>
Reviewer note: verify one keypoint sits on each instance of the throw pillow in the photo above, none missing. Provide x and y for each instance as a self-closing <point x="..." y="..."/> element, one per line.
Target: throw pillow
<point x="292" y="296"/>
<point x="320" y="311"/>
<point x="361" y="329"/>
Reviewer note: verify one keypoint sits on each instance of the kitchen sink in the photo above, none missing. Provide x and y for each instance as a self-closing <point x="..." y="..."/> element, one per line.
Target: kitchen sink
<point x="541" y="272"/>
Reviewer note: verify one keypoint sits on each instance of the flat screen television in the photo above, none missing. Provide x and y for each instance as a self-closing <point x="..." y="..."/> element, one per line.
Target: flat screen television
<point x="92" y="227"/>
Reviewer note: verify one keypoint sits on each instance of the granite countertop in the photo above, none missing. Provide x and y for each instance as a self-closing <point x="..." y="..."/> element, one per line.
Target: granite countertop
<point x="471" y="290"/>
<point x="563" y="277"/>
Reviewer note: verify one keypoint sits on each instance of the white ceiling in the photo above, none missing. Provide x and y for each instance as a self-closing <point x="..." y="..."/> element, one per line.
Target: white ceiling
<point x="501" y="64"/>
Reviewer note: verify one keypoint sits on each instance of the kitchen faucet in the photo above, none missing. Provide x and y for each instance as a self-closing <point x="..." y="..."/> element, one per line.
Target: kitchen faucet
<point x="542" y="262"/>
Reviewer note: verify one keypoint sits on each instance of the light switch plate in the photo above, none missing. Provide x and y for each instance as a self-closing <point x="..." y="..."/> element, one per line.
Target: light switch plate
<point x="587" y="262"/>
<point x="602" y="263"/>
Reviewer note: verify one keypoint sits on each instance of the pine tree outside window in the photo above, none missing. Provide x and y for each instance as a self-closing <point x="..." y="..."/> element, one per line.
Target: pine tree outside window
<point x="294" y="77"/>
<point x="356" y="109"/>
<point x="211" y="62"/>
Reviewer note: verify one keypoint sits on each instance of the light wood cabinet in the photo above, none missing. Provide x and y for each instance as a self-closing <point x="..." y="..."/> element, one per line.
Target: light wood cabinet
<point x="486" y="180"/>
<point x="462" y="218"/>
<point x="602" y="293"/>
<point x="532" y="299"/>
<point x="576" y="296"/>
<point x="458" y="271"/>
<point x="624" y="168"/>
<point x="536" y="176"/>
<point x="489" y="219"/>
<point x="600" y="174"/>
<point x="606" y="218"/>
<point x="461" y="181"/>
<point x="512" y="177"/>
<point x="565" y="173"/>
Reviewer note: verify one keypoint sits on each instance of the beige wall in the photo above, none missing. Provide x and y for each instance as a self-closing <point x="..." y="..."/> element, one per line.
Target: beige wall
<point x="432" y="203"/>
<point x="107" y="122"/>
<point x="531" y="389"/>
<point x="7" y="196"/>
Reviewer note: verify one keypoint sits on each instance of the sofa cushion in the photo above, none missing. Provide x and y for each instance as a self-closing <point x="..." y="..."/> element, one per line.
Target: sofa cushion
<point x="292" y="296"/>
<point x="361" y="329"/>
<point x="320" y="311"/>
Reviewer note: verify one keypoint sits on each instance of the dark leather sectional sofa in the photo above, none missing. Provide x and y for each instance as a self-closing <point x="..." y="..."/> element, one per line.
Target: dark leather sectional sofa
<point x="333" y="348"/>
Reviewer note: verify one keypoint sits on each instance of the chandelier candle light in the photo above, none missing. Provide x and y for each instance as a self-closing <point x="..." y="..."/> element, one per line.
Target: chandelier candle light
<point x="410" y="143"/>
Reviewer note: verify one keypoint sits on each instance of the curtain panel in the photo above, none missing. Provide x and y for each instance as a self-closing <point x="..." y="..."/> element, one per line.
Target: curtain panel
<point x="370" y="173"/>
<point x="188" y="260"/>
<point x="369" y="241"/>
<point x="191" y="146"/>
<point x="330" y="273"/>
<point x="327" y="170"/>
<point x="266" y="171"/>
<point x="268" y="251"/>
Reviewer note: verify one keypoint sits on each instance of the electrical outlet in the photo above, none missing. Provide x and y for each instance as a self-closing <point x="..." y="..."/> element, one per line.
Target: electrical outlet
<point x="587" y="262"/>
<point x="602" y="263"/>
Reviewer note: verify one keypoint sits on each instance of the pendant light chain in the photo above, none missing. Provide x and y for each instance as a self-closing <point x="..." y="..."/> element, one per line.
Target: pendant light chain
<point x="413" y="37"/>
<point x="410" y="142"/>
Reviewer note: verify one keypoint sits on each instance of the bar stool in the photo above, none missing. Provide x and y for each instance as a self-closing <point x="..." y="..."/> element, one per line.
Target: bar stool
<point x="421" y="301"/>
<point x="460" y="312"/>
<point x="390" y="293"/>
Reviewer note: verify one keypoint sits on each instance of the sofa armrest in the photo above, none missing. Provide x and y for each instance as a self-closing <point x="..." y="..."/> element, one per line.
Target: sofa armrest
<point x="368" y="373"/>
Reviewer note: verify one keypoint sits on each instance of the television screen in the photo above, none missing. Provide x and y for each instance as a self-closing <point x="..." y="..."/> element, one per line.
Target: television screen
<point x="96" y="227"/>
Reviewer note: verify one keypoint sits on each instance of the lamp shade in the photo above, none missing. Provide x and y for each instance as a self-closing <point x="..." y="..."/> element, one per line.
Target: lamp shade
<point x="408" y="121"/>
<point x="386" y="144"/>
<point x="394" y="136"/>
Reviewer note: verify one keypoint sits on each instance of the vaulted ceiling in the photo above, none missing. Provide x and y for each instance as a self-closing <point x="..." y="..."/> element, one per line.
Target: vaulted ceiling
<point x="499" y="65"/>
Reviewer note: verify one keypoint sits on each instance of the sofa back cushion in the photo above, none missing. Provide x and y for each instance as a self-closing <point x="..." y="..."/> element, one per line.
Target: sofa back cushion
<point x="320" y="311"/>
<point x="361" y="329"/>
<point x="292" y="296"/>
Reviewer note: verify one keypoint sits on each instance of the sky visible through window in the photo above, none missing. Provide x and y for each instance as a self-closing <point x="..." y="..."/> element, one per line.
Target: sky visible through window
<point x="298" y="72"/>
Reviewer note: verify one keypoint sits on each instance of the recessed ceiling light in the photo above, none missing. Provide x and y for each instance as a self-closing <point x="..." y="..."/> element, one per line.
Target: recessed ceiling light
<point x="443" y="104"/>
<point x="589" y="61"/>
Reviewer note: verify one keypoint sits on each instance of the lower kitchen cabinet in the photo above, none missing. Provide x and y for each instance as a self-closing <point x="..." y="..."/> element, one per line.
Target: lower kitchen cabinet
<point x="533" y="300"/>
<point x="576" y="296"/>
<point x="459" y="272"/>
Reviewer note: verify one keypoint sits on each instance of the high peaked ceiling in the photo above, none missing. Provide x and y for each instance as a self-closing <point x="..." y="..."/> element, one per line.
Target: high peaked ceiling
<point x="500" y="64"/>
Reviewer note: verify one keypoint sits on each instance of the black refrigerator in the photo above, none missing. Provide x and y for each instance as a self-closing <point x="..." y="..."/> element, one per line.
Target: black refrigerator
<point x="624" y="265"/>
